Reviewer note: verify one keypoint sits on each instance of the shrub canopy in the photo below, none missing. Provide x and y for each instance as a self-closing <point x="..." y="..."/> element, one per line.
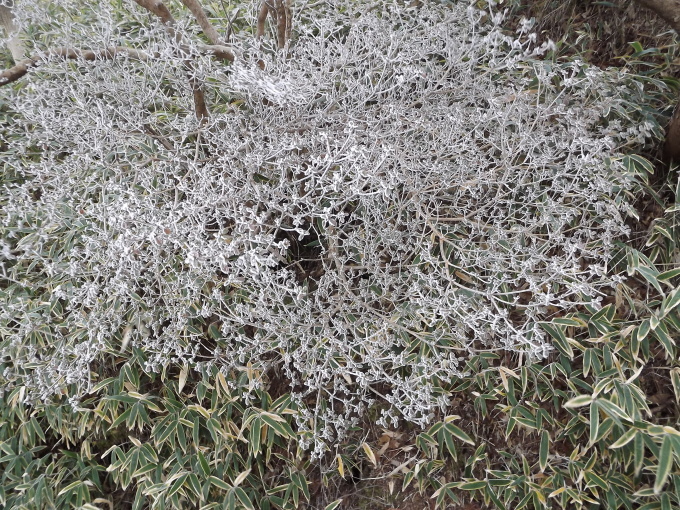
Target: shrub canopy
<point x="394" y="190"/>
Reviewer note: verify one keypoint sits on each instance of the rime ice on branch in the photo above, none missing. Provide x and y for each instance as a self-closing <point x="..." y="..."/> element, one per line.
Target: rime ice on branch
<point x="364" y="203"/>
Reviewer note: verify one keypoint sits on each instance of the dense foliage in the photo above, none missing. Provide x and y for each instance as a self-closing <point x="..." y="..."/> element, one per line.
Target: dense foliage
<point x="403" y="218"/>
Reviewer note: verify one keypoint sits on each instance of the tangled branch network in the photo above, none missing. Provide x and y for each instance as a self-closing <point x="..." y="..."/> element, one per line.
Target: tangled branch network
<point x="393" y="190"/>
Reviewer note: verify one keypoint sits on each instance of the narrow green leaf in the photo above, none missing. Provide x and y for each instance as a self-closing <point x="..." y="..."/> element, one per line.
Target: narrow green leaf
<point x="671" y="301"/>
<point x="472" y="486"/>
<point x="280" y="427"/>
<point x="243" y="498"/>
<point x="203" y="464"/>
<point x="643" y="330"/>
<point x="624" y="439"/>
<point x="334" y="505"/>
<point x="452" y="429"/>
<point x="580" y="401"/>
<point x="220" y="484"/>
<point x="121" y="418"/>
<point x="665" y="464"/>
<point x="594" y="421"/>
<point x="667" y="275"/>
<point x="543" y="451"/>
<point x="650" y="275"/>
<point x="177" y="485"/>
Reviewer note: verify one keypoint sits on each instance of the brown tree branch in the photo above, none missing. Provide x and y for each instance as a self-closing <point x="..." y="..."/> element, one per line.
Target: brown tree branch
<point x="202" y="19"/>
<point x="220" y="51"/>
<point x="14" y="73"/>
<point x="261" y="18"/>
<point x="669" y="11"/>
<point x="15" y="45"/>
<point x="159" y="9"/>
<point x="280" y="12"/>
<point x="671" y="149"/>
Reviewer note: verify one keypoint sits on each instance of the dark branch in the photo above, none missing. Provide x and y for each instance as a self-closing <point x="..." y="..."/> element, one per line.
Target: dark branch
<point x="203" y="21"/>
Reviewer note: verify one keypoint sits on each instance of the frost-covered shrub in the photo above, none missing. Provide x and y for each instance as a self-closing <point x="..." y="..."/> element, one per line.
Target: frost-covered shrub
<point x="396" y="189"/>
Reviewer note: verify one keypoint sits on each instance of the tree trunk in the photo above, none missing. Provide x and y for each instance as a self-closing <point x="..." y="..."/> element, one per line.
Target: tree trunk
<point x="15" y="45"/>
<point x="669" y="11"/>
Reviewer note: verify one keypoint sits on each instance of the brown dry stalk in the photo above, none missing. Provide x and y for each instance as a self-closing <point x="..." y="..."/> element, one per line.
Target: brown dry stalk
<point x="672" y="146"/>
<point x="669" y="11"/>
<point x="159" y="9"/>
<point x="261" y="18"/>
<point x="14" y="73"/>
<point x="280" y="12"/>
<point x="203" y="21"/>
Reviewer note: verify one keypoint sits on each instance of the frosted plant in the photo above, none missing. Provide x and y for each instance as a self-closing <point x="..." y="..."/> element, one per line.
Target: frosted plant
<point x="360" y="204"/>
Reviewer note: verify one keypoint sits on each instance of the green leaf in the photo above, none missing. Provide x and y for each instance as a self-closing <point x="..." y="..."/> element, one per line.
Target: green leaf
<point x="650" y="275"/>
<point x="203" y="464"/>
<point x="543" y="451"/>
<point x="472" y="486"/>
<point x="675" y="381"/>
<point x="594" y="421"/>
<point x="665" y="464"/>
<point x="243" y="498"/>
<point x="177" y="485"/>
<point x="334" y="505"/>
<point x="594" y="479"/>
<point x="579" y="401"/>
<point x="671" y="301"/>
<point x="667" y="275"/>
<point x="560" y="338"/>
<point x="644" y="330"/>
<point x="280" y="427"/>
<point x="641" y="162"/>
<point x="121" y="418"/>
<point x="452" y="429"/>
<point x="624" y="439"/>
<point x="220" y="484"/>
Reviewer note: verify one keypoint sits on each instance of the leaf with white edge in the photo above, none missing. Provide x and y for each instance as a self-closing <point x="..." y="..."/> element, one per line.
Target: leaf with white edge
<point x="580" y="401"/>
<point x="626" y="438"/>
<point x="242" y="476"/>
<point x="544" y="450"/>
<point x="220" y="484"/>
<point x="243" y="498"/>
<point x="594" y="421"/>
<point x="667" y="275"/>
<point x="663" y="470"/>
<point x="670" y="301"/>
<point x="334" y="505"/>
<point x="456" y="431"/>
<point x="675" y="381"/>
<point x="650" y="275"/>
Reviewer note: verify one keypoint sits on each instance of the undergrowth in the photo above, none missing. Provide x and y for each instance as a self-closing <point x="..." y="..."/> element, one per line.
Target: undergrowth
<point x="389" y="322"/>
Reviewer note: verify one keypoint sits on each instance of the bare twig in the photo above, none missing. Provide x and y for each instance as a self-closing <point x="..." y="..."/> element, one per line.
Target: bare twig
<point x="283" y="22"/>
<point x="15" y="45"/>
<point x="220" y="51"/>
<point x="203" y="21"/>
<point x="159" y="9"/>
<point x="280" y="12"/>
<point x="261" y="18"/>
<point x="14" y="73"/>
